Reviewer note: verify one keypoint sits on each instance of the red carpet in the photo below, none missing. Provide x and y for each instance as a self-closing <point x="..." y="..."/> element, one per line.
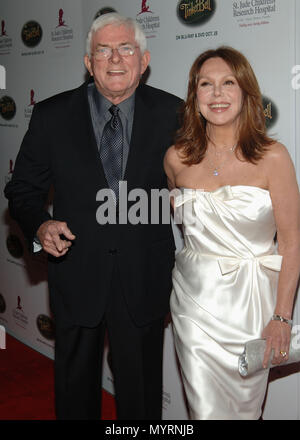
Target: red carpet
<point x="27" y="385"/>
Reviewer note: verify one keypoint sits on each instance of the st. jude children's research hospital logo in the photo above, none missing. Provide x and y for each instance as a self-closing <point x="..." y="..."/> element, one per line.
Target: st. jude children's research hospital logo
<point x="5" y="39"/>
<point x="195" y="12"/>
<point x="148" y="19"/>
<point x="62" y="35"/>
<point x="8" y="176"/>
<point x="19" y="315"/>
<point x="29" y="107"/>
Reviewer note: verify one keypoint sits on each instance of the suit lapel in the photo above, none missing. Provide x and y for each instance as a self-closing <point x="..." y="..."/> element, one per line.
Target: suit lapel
<point x="84" y="136"/>
<point x="140" y="145"/>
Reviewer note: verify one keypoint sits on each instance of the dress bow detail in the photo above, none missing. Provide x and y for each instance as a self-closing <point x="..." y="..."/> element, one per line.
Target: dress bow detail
<point x="184" y="195"/>
<point x="230" y="264"/>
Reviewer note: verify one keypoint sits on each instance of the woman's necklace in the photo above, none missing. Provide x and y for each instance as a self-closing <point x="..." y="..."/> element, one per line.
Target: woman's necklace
<point x="216" y="168"/>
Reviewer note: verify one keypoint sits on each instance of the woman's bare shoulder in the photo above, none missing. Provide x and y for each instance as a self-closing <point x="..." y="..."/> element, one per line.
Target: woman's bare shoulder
<point x="279" y="168"/>
<point x="276" y="153"/>
<point x="173" y="158"/>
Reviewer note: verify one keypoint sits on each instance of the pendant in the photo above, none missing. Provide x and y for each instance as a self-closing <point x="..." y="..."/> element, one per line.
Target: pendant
<point x="216" y="172"/>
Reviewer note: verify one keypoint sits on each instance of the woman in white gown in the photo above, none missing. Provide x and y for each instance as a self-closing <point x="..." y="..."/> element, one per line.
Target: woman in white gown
<point x="237" y="189"/>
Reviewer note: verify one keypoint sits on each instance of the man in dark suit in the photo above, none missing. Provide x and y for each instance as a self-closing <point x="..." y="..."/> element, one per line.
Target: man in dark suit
<point x="110" y="276"/>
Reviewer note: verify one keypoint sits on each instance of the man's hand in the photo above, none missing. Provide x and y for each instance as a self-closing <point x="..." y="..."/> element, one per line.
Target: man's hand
<point x="49" y="236"/>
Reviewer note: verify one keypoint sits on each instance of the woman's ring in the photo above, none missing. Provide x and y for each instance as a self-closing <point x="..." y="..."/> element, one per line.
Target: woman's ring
<point x="283" y="353"/>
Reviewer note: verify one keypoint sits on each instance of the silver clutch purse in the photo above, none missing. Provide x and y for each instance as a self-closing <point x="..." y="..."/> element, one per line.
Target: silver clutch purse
<point x="252" y="358"/>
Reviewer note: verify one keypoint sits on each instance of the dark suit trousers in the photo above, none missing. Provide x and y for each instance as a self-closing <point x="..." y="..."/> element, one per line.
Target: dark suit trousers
<point x="136" y="354"/>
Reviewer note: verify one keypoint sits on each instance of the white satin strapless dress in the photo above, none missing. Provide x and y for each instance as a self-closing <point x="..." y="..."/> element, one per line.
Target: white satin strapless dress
<point x="224" y="290"/>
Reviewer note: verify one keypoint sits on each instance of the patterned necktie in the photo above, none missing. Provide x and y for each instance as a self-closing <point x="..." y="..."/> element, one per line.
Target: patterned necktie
<point x="111" y="150"/>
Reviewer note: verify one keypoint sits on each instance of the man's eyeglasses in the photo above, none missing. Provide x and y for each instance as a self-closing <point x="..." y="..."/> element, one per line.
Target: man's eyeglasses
<point x="105" y="52"/>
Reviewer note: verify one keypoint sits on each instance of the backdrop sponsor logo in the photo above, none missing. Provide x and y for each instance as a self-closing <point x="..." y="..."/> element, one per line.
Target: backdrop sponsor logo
<point x="3" y="31"/>
<point x="148" y="20"/>
<point x="19" y="306"/>
<point x="29" y="108"/>
<point x="18" y="313"/>
<point x="14" y="246"/>
<point x="196" y="12"/>
<point x="62" y="35"/>
<point x="271" y="112"/>
<point x="7" y="108"/>
<point x="2" y="304"/>
<point x="5" y="40"/>
<point x="32" y="100"/>
<point x="105" y="10"/>
<point x="144" y="8"/>
<point x="32" y="33"/>
<point x="10" y="172"/>
<point x="253" y="12"/>
<point x="46" y="327"/>
<point x="2" y="77"/>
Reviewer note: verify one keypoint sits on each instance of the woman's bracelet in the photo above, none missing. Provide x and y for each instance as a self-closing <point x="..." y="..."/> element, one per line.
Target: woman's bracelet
<point x="282" y="319"/>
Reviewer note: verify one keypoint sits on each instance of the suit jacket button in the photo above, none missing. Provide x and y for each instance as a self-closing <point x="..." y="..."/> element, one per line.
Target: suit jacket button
<point x="113" y="251"/>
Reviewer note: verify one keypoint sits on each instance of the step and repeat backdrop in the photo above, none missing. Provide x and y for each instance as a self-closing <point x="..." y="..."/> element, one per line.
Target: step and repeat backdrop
<point x="42" y="45"/>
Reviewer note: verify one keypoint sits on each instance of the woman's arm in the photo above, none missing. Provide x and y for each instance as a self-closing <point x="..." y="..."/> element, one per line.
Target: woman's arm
<point x="170" y="162"/>
<point x="284" y="193"/>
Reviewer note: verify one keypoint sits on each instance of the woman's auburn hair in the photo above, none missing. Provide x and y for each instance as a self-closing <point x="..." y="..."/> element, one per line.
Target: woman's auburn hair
<point x="191" y="139"/>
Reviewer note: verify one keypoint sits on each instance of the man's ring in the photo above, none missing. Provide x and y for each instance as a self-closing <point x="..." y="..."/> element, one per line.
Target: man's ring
<point x="283" y="353"/>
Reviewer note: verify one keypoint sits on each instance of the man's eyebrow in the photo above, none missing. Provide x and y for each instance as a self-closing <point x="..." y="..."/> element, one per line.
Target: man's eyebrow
<point x="107" y="45"/>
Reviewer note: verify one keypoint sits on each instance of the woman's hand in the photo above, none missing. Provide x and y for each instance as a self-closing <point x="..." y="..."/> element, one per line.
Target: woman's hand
<point x="278" y="336"/>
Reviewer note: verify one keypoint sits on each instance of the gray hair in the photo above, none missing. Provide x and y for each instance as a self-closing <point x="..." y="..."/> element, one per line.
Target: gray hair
<point x="117" y="20"/>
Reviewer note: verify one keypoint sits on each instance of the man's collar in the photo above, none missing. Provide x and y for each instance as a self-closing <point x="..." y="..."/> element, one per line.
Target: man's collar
<point x="103" y="104"/>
